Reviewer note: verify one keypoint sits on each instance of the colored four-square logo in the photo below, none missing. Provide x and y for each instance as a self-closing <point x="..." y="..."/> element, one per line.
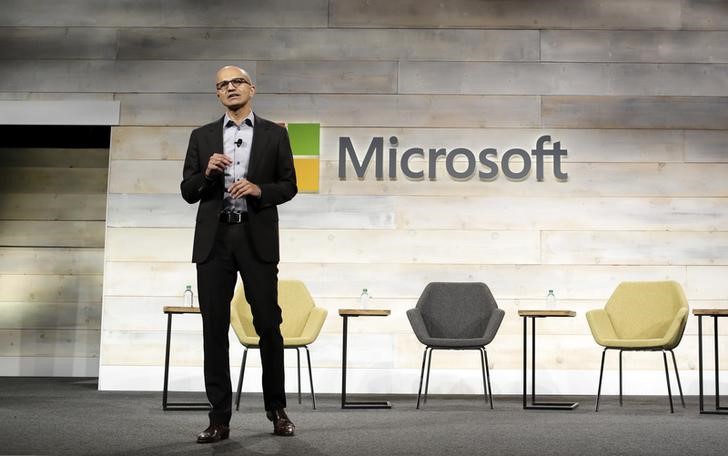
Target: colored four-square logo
<point x="305" y="142"/>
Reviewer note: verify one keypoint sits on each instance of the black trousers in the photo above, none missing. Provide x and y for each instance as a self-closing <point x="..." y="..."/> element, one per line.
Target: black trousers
<point x="216" y="279"/>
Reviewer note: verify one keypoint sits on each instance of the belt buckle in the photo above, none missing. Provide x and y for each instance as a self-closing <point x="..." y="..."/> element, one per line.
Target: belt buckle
<point x="235" y="217"/>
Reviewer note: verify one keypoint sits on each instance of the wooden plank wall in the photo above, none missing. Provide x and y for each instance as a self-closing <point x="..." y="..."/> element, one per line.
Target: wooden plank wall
<point x="636" y="90"/>
<point x="52" y="225"/>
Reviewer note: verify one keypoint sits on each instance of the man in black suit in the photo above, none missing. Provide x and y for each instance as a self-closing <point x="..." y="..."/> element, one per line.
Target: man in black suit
<point x="239" y="168"/>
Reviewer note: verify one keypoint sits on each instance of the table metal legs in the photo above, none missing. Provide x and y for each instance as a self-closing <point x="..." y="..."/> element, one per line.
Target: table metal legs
<point x="534" y="405"/>
<point x="175" y="405"/>
<point x="355" y="404"/>
<point x="719" y="410"/>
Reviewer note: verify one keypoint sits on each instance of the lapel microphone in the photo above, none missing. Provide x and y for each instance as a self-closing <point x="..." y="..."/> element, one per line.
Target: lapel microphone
<point x="239" y="142"/>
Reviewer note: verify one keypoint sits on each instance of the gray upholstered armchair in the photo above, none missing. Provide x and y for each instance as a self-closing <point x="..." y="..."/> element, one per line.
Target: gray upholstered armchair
<point x="455" y="316"/>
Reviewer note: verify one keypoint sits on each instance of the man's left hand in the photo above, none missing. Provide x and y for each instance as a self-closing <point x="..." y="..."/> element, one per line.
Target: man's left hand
<point x="244" y="187"/>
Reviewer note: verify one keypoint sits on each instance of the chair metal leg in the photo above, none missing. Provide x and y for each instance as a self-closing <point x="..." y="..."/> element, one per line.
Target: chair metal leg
<point x="601" y="373"/>
<point x="427" y="379"/>
<point x="620" y="377"/>
<point x="677" y="374"/>
<point x="298" y="364"/>
<point x="240" y="380"/>
<point x="487" y="375"/>
<point x="482" y="368"/>
<point x="310" y="376"/>
<point x="422" y="376"/>
<point x="667" y="378"/>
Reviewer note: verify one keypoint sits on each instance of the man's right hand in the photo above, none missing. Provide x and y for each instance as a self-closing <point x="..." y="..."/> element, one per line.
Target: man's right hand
<point x="217" y="164"/>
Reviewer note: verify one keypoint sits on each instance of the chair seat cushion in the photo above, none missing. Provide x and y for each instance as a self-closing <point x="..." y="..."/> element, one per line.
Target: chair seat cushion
<point x="454" y="343"/>
<point x="253" y="342"/>
<point x="634" y="343"/>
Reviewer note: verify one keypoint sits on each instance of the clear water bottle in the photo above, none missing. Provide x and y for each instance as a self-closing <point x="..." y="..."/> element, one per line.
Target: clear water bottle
<point x="188" y="297"/>
<point x="551" y="300"/>
<point x="364" y="299"/>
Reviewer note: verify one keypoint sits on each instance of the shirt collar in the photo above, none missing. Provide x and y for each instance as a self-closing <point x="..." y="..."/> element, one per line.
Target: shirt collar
<point x="249" y="120"/>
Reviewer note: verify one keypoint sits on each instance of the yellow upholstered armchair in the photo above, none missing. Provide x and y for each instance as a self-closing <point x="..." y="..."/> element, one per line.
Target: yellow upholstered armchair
<point x="641" y="316"/>
<point x="302" y="322"/>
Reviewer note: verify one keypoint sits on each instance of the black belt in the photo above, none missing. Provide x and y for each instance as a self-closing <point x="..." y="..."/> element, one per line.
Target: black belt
<point x="233" y="217"/>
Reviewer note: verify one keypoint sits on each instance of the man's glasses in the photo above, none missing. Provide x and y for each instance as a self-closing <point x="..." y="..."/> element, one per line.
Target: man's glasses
<point x="235" y="82"/>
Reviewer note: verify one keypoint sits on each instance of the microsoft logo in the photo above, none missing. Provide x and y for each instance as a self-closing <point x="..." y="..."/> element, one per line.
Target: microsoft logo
<point x="305" y="139"/>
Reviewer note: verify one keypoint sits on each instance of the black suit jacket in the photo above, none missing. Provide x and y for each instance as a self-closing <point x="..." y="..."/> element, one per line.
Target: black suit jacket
<point x="270" y="167"/>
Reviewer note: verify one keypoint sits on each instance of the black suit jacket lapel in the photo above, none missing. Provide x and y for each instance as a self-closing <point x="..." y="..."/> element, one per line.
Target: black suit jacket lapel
<point x="214" y="138"/>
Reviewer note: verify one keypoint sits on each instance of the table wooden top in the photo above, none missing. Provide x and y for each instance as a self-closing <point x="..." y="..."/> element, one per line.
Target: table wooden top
<point x="181" y="310"/>
<point x="364" y="312"/>
<point x="546" y="313"/>
<point x="711" y="312"/>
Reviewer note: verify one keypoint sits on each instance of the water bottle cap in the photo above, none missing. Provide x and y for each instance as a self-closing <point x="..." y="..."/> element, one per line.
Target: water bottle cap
<point x="364" y="290"/>
<point x="551" y="291"/>
<point x="189" y="287"/>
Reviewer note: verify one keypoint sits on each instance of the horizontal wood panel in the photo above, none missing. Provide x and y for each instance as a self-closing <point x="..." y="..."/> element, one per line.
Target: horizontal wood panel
<point x="635" y="247"/>
<point x="35" y="233"/>
<point x="52" y="180"/>
<point x="407" y="280"/>
<point x="145" y="176"/>
<point x="50" y="342"/>
<point x="149" y="244"/>
<point x="50" y="288"/>
<point x="52" y="43"/>
<point x="415" y="247"/>
<point x="464" y="212"/>
<point x="706" y="146"/>
<point x="62" y="158"/>
<point x="684" y="46"/>
<point x="113" y="75"/>
<point x="27" y="316"/>
<point x="326" y="77"/>
<point x="704" y="14"/>
<point x="624" y="14"/>
<point x="52" y="206"/>
<point x="710" y="113"/>
<point x="707" y="282"/>
<point x="620" y="79"/>
<point x="141" y="13"/>
<point x="149" y="143"/>
<point x="327" y="44"/>
<point x="147" y="348"/>
<point x="335" y="110"/>
<point x="55" y="96"/>
<point x="54" y="261"/>
<point x="144" y="313"/>
<point x="304" y="211"/>
<point x="573" y="213"/>
<point x="152" y="210"/>
<point x="582" y="145"/>
<point x="594" y="180"/>
<point x="347" y="246"/>
<point x="197" y="76"/>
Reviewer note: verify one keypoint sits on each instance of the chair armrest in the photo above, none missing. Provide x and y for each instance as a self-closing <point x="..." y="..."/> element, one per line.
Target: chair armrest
<point x="675" y="331"/>
<point x="493" y="324"/>
<point x="418" y="325"/>
<point x="314" y="323"/>
<point x="601" y="326"/>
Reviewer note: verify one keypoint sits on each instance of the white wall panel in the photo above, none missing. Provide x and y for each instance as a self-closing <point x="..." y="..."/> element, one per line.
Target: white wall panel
<point x="634" y="90"/>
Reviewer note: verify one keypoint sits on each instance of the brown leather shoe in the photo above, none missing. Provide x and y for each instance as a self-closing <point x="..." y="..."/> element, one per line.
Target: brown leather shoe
<point x="282" y="425"/>
<point x="214" y="433"/>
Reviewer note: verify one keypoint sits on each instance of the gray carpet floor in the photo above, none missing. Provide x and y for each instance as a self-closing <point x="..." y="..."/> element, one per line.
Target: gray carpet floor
<point x="70" y="417"/>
